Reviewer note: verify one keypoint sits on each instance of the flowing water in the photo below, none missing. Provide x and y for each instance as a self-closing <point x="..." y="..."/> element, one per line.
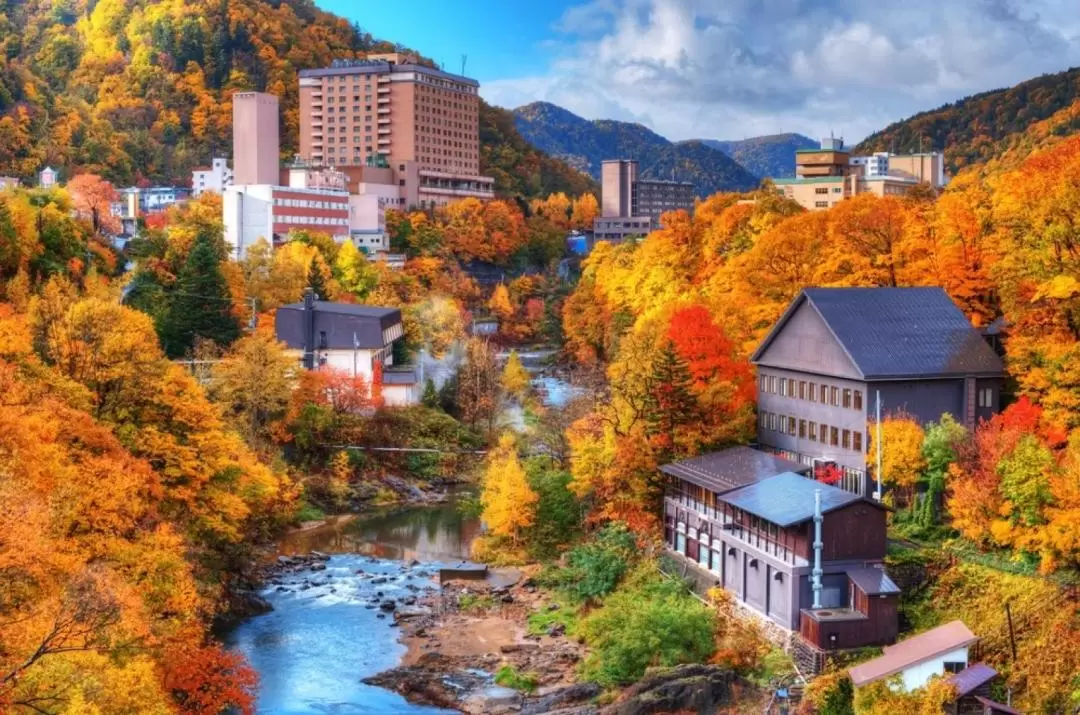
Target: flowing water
<point x="325" y="634"/>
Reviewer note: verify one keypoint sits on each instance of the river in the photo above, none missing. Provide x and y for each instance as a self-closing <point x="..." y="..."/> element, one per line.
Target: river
<point x="324" y="636"/>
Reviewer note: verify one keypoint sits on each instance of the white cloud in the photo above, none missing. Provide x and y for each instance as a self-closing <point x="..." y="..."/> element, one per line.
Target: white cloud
<point x="733" y="68"/>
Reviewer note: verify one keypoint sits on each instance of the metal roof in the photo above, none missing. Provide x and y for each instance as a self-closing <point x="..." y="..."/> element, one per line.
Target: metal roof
<point x="872" y="581"/>
<point x="788" y="499"/>
<point x="399" y="376"/>
<point x="912" y="652"/>
<point x="345" y="326"/>
<point x="898" y="333"/>
<point x="997" y="707"/>
<point x="971" y="678"/>
<point x="731" y="468"/>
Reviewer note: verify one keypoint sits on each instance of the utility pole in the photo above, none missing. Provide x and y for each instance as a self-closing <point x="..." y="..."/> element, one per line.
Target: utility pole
<point x="1012" y="633"/>
<point x="878" y="427"/>
<point x="254" y="318"/>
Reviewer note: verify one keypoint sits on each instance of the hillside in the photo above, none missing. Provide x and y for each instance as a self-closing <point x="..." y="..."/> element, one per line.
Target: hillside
<point x="140" y="91"/>
<point x="971" y="130"/>
<point x="772" y="155"/>
<point x="585" y="144"/>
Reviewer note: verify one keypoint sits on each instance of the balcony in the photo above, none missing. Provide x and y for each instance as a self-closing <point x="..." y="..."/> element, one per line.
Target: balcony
<point x="384" y="130"/>
<point x="719" y="523"/>
<point x="384" y="89"/>
<point x="384" y="119"/>
<point x="384" y="110"/>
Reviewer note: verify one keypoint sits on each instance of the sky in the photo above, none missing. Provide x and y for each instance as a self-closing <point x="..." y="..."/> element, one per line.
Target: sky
<point x="730" y="69"/>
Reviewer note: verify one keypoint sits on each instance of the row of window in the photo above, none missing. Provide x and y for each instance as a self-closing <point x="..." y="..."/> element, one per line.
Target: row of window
<point x="811" y="391"/>
<point x="309" y="203"/>
<point x="312" y="220"/>
<point x="807" y="429"/>
<point x="825" y="190"/>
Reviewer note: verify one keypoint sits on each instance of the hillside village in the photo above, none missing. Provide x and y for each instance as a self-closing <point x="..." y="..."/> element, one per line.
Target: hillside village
<point x="709" y="442"/>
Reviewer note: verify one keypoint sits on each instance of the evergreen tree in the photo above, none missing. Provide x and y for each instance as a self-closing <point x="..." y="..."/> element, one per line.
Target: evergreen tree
<point x="200" y="306"/>
<point x="431" y="395"/>
<point x="316" y="281"/>
<point x="669" y="402"/>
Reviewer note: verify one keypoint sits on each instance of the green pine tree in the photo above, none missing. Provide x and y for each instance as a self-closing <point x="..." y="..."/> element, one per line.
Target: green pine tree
<point x="669" y="403"/>
<point x="200" y="306"/>
<point x="431" y="395"/>
<point x="316" y="281"/>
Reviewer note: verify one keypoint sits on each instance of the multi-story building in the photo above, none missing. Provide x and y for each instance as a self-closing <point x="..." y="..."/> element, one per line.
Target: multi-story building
<point x="423" y="122"/>
<point x="271" y="212"/>
<point x="354" y="339"/>
<point x="804" y="555"/>
<point x="9" y="182"/>
<point x="632" y="206"/>
<point x="826" y="176"/>
<point x="256" y="139"/>
<point x="135" y="202"/>
<point x="836" y="351"/>
<point x="217" y="177"/>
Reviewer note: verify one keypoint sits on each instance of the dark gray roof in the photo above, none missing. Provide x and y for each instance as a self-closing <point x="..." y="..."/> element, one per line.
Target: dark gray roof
<point x="340" y="322"/>
<point x="731" y="468"/>
<point x="788" y="499"/>
<point x="399" y="376"/>
<point x="872" y="581"/>
<point x="898" y="332"/>
<point x="971" y="678"/>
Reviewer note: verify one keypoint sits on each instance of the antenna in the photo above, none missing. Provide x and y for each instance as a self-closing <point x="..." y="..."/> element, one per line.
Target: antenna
<point x="464" y="59"/>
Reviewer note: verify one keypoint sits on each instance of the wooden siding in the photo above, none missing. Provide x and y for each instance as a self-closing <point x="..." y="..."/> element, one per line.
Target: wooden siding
<point x="857" y="531"/>
<point x="878" y="627"/>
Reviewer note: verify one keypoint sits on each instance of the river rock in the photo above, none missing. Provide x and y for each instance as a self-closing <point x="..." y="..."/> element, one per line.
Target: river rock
<point x="251" y="604"/>
<point x="684" y="688"/>
<point x="559" y="698"/>
<point x="320" y="555"/>
<point x="519" y="647"/>
<point x="388" y="605"/>
<point x="493" y="700"/>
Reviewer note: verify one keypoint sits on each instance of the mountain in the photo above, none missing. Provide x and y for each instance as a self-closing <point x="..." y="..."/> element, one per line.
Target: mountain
<point x="140" y="90"/>
<point x="977" y="128"/>
<point x="772" y="155"/>
<point x="585" y="144"/>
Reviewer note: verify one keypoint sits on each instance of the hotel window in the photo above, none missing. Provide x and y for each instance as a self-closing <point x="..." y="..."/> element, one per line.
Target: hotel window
<point x="836" y="397"/>
<point x="791" y="426"/>
<point x="802" y="429"/>
<point x="824" y="394"/>
<point x="813" y="431"/>
<point x="783" y="387"/>
<point x="845" y="439"/>
<point x="763" y="421"/>
<point x="802" y="389"/>
<point x="986" y="397"/>
<point x="834" y="436"/>
<point x="837" y="190"/>
<point x="847" y="398"/>
<point x="782" y="426"/>
<point x="821" y="190"/>
<point x="811" y="393"/>
<point x="772" y="384"/>
<point x="772" y="421"/>
<point x="821" y="204"/>
<point x="858" y="400"/>
<point x="856" y="441"/>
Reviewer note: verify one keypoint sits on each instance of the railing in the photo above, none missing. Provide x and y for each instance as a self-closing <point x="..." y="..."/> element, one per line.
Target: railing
<point x="723" y="523"/>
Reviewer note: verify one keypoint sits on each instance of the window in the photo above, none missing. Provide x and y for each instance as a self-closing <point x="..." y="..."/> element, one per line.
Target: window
<point x="763" y="423"/>
<point x="802" y="429"/>
<point x="834" y="436"/>
<point x="835" y="402"/>
<point x="821" y="190"/>
<point x="322" y="339"/>
<point x="847" y="398"/>
<point x="772" y="384"/>
<point x="811" y="393"/>
<point x="802" y="389"/>
<point x="845" y="439"/>
<point x="858" y="400"/>
<point x="954" y="666"/>
<point x="812" y="431"/>
<point x="986" y="397"/>
<point x="824" y="394"/>
<point x="783" y="386"/>
<point x="838" y="190"/>
<point x="772" y="421"/>
<point x="856" y="441"/>
<point x="791" y="426"/>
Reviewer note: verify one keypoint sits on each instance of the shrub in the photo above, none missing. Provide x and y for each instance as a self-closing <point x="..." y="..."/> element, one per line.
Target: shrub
<point x="649" y="621"/>
<point x="596" y="567"/>
<point x="508" y="677"/>
<point x="540" y="622"/>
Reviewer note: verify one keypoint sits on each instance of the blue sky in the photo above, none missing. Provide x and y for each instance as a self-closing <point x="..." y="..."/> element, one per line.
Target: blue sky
<point x="728" y="69"/>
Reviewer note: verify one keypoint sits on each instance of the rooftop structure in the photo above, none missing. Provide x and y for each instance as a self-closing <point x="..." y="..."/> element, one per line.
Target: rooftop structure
<point x="731" y="468"/>
<point x="217" y="177"/>
<point x="256" y="142"/>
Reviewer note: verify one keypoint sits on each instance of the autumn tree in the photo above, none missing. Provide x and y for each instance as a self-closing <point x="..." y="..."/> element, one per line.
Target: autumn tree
<point x="253" y="382"/>
<point x="509" y="502"/>
<point x="93" y="198"/>
<point x="201" y="305"/>
<point x="902" y="461"/>
<point x="515" y="378"/>
<point x="478" y="391"/>
<point x="669" y="403"/>
<point x="584" y="212"/>
<point x="941" y="444"/>
<point x="556" y="208"/>
<point x="499" y="303"/>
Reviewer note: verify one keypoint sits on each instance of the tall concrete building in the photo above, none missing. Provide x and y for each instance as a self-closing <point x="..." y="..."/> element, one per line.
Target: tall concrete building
<point x="256" y="140"/>
<point x="631" y="206"/>
<point x="422" y="122"/>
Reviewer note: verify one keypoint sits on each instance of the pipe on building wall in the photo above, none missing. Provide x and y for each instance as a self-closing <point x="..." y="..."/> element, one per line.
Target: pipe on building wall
<point x="816" y="574"/>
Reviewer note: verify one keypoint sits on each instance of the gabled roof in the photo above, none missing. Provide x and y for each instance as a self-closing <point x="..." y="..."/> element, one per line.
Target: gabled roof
<point x="788" y="499"/>
<point x="897" y="333"/>
<point x="345" y="326"/>
<point x="731" y="468"/>
<point x="997" y="707"/>
<point x="971" y="678"/>
<point x="913" y="651"/>
<point x="872" y="581"/>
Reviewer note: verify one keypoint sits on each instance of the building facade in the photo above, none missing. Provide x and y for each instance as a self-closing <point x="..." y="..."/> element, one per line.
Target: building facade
<point x="9" y="182"/>
<point x="256" y="139"/>
<point x="829" y="174"/>
<point x="421" y="122"/>
<point x="47" y="177"/>
<point x="217" y="177"/>
<point x="353" y="339"/>
<point x="836" y="351"/>
<point x="271" y="212"/>
<point x="629" y="203"/>
<point x="742" y="522"/>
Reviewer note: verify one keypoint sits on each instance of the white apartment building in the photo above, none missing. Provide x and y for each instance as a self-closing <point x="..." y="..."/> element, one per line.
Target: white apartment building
<point x="217" y="177"/>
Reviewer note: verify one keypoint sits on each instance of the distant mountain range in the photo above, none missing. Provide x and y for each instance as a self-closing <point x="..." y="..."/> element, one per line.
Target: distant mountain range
<point x="772" y="155"/>
<point x="585" y="144"/>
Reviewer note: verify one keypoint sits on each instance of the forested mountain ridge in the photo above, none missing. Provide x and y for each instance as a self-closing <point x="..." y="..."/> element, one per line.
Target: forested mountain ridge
<point x="585" y="144"/>
<point x="140" y="91"/>
<point x="971" y="130"/>
<point x="772" y="155"/>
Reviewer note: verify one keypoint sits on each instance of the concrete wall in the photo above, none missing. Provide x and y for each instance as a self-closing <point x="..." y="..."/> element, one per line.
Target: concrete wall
<point x="256" y="144"/>
<point x="617" y="179"/>
<point x="919" y="675"/>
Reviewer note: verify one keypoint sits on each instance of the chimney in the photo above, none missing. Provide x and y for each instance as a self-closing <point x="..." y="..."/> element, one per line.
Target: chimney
<point x="309" y="328"/>
<point x="815" y="575"/>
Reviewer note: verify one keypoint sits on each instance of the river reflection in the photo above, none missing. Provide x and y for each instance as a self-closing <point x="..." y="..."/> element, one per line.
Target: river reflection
<point x="325" y="633"/>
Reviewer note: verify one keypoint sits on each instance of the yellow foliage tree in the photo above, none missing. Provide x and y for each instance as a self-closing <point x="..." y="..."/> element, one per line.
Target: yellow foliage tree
<point x="515" y="378"/>
<point x="902" y="461"/>
<point x="508" y="500"/>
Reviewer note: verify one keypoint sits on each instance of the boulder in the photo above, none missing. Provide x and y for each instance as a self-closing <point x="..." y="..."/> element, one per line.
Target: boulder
<point x="251" y="604"/>
<point x="560" y="698"/>
<point x="689" y="688"/>
<point x="492" y="700"/>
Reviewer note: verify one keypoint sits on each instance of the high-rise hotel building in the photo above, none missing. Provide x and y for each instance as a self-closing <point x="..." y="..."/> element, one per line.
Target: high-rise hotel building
<point x="388" y="110"/>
